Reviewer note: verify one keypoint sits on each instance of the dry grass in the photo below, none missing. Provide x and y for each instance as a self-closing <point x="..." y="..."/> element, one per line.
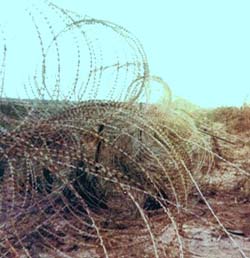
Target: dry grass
<point x="130" y="194"/>
<point x="237" y="120"/>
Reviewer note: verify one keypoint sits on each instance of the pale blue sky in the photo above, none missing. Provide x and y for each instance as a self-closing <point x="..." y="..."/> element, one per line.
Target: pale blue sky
<point x="201" y="48"/>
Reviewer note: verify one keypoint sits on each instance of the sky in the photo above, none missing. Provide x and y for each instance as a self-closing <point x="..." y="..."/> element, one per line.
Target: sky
<point x="200" y="48"/>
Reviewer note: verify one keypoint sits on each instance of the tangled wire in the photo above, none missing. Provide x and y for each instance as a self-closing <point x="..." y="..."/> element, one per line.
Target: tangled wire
<point x="89" y="168"/>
